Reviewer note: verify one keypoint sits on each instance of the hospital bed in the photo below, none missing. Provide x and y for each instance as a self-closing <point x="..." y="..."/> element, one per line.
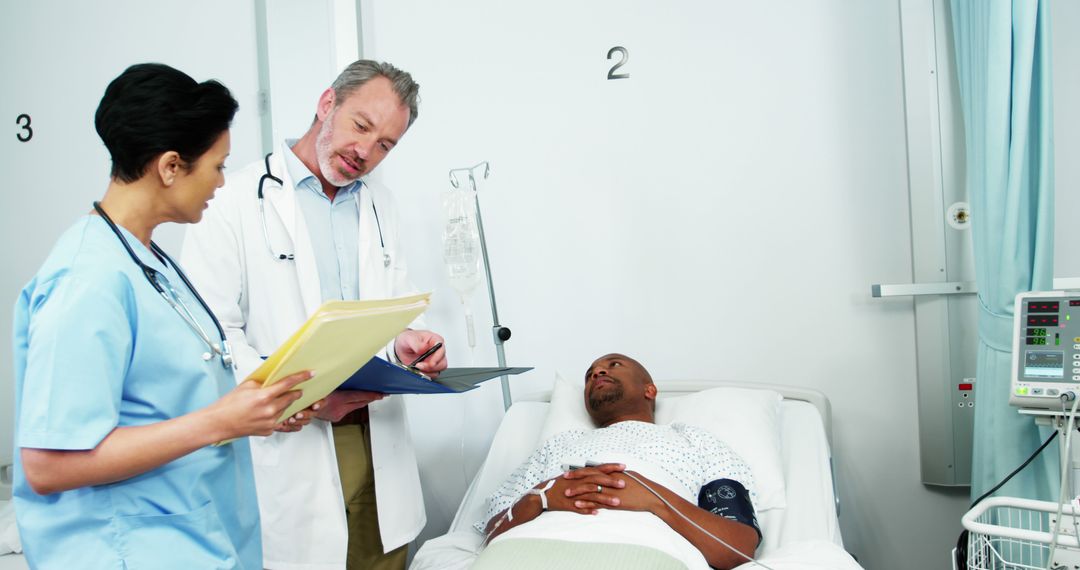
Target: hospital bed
<point x="802" y="534"/>
<point x="9" y="535"/>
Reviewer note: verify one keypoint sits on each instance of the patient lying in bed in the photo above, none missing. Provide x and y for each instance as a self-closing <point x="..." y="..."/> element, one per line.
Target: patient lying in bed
<point x="541" y="516"/>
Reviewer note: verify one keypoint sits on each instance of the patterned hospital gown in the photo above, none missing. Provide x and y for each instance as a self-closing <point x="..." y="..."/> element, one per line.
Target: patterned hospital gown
<point x="689" y="455"/>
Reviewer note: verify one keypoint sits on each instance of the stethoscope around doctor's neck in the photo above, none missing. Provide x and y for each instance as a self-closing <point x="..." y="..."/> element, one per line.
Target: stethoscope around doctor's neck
<point x="172" y="297"/>
<point x="289" y="256"/>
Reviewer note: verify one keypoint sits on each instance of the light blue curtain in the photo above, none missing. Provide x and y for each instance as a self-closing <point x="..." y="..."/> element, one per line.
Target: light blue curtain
<point x="1003" y="63"/>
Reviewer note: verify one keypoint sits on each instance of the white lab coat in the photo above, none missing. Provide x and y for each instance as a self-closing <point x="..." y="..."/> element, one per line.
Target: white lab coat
<point x="260" y="302"/>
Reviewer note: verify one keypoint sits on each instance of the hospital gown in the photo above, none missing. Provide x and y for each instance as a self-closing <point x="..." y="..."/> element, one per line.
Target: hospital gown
<point x="96" y="348"/>
<point x="686" y="456"/>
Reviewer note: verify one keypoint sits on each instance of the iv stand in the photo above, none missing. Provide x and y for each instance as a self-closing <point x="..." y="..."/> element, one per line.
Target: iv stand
<point x="499" y="333"/>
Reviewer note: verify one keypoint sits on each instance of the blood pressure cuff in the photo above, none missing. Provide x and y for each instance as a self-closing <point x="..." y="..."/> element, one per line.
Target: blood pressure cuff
<point x="729" y="499"/>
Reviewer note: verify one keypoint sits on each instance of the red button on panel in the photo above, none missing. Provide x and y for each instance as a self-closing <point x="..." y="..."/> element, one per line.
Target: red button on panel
<point x="967" y="386"/>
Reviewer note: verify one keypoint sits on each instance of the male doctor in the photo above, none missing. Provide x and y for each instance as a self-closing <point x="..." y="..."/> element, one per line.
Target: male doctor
<point x="283" y="236"/>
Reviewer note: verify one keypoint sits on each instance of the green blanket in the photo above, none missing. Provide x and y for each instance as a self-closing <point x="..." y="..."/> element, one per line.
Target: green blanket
<point x="546" y="554"/>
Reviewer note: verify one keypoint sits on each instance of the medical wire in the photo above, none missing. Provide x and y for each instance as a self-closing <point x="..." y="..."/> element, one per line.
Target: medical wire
<point x="962" y="540"/>
<point x="262" y="212"/>
<point x="290" y="256"/>
<point x="1064" y="472"/>
<point x="696" y="525"/>
<point x="461" y="444"/>
<point x="461" y="451"/>
<point x="177" y="304"/>
<point x="186" y="315"/>
<point x="1015" y="471"/>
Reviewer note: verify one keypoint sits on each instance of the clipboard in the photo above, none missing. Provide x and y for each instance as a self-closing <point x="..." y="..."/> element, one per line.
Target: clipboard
<point x="378" y="375"/>
<point x="336" y="341"/>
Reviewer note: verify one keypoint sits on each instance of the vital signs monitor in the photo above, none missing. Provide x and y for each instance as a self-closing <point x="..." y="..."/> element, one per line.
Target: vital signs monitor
<point x="1046" y="348"/>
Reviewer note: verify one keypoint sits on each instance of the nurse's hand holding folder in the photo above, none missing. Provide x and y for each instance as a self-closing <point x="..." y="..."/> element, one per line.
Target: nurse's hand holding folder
<point x="265" y="406"/>
<point x="337" y="340"/>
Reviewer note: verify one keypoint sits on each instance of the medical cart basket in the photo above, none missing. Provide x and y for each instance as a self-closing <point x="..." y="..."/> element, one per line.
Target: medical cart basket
<point x="1009" y="533"/>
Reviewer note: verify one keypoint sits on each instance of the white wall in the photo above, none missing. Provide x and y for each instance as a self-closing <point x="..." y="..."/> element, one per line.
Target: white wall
<point x="308" y="43"/>
<point x="301" y="64"/>
<point x="58" y="58"/>
<point x="719" y="214"/>
<point x="1065" y="15"/>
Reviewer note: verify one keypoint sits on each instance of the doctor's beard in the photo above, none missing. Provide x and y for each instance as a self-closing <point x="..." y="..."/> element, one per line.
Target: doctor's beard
<point x="324" y="154"/>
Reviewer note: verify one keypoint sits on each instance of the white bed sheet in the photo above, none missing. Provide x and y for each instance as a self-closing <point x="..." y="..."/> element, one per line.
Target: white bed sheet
<point x="13" y="562"/>
<point x="9" y="538"/>
<point x="804" y="535"/>
<point x="807" y="529"/>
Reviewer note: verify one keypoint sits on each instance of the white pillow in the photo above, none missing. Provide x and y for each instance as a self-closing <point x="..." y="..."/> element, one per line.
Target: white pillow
<point x="567" y="409"/>
<point x="747" y="419"/>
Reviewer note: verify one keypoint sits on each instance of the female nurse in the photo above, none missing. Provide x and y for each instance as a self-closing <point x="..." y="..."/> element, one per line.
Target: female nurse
<point x="123" y="384"/>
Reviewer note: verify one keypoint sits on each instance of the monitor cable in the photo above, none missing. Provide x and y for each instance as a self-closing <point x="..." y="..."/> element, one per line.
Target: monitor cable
<point x="1065" y="454"/>
<point x="1015" y="471"/>
<point x="695" y="525"/>
<point x="962" y="541"/>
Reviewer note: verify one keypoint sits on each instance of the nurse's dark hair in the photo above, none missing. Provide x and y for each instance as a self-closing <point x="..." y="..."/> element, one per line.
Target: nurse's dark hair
<point x="152" y="108"/>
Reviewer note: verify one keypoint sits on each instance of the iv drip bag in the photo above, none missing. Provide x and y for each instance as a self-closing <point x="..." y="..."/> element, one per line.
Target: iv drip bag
<point x="461" y="249"/>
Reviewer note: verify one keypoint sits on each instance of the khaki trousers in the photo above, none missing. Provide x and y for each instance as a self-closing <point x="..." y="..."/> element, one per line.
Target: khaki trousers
<point x="352" y="444"/>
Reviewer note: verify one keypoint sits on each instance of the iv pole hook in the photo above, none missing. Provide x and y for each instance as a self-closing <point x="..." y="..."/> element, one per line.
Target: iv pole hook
<point x="472" y="179"/>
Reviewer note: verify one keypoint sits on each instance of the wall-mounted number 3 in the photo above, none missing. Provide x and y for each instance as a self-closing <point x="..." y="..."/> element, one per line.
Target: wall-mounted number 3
<point x="622" y="61"/>
<point x="27" y="133"/>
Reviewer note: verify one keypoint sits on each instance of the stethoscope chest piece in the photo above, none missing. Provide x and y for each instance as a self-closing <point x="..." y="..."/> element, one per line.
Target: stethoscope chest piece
<point x="386" y="260"/>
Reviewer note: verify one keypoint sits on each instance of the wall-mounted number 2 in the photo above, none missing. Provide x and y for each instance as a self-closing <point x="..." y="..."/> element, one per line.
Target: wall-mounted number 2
<point x="622" y="61"/>
<point x="27" y="133"/>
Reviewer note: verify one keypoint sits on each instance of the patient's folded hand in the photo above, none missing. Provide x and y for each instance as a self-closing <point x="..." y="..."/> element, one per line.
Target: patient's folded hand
<point x="592" y="488"/>
<point x="635" y="497"/>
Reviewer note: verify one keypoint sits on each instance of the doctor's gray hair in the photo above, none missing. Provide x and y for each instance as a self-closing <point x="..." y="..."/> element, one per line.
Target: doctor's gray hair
<point x="361" y="71"/>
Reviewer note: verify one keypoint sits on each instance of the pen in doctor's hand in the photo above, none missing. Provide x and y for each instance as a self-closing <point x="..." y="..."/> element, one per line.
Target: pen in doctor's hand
<point x="426" y="354"/>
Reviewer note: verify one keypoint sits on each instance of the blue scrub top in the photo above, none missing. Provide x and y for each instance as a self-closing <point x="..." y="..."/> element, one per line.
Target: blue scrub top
<point x="96" y="347"/>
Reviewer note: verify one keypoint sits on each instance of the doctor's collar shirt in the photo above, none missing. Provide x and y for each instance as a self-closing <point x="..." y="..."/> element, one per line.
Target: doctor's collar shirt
<point x="334" y="228"/>
<point x="96" y="348"/>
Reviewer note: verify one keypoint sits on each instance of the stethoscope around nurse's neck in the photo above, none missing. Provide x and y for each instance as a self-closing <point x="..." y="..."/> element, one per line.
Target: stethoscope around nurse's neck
<point x="172" y="297"/>
<point x="282" y="256"/>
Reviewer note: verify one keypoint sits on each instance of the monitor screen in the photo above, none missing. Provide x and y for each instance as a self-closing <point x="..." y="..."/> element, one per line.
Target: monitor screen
<point x="1044" y="364"/>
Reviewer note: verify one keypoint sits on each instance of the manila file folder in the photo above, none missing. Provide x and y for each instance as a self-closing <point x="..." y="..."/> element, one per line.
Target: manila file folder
<point x="336" y="341"/>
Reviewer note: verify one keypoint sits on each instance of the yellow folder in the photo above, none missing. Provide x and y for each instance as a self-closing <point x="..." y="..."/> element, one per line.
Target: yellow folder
<point x="336" y="341"/>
